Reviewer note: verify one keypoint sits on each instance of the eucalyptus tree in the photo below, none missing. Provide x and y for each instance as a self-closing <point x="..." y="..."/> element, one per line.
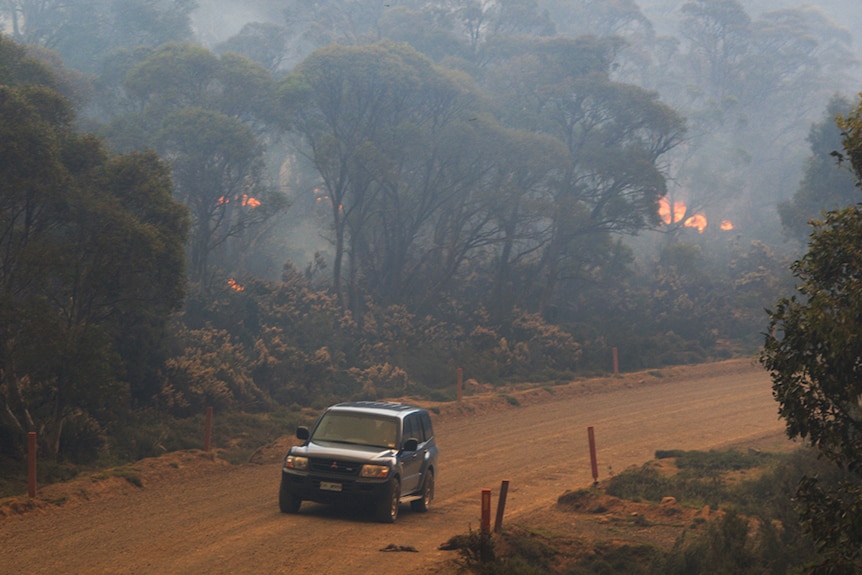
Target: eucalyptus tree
<point x="436" y="27"/>
<point x="749" y="88"/>
<point x="528" y="171"/>
<point x="263" y="42"/>
<point x="91" y="245"/>
<point x="85" y="31"/>
<point x="386" y="131"/>
<point x="615" y="134"/>
<point x="598" y="17"/>
<point x="799" y="60"/>
<point x="825" y="184"/>
<point x="217" y="167"/>
<point x="812" y="353"/>
<point x="43" y="22"/>
<point x="479" y="20"/>
<point x="174" y="76"/>
<point x="210" y="117"/>
<point x="429" y="27"/>
<point x="719" y="33"/>
<point x="778" y="64"/>
<point x="335" y="21"/>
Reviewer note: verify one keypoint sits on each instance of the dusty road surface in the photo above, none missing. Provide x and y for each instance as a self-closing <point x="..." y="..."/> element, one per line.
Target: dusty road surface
<point x="225" y="519"/>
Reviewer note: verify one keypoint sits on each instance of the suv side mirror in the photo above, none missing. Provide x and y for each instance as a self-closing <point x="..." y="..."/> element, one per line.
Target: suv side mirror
<point x="302" y="433"/>
<point x="411" y="444"/>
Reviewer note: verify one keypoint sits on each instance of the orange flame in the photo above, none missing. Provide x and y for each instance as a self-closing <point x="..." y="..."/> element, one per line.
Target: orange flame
<point x="244" y="200"/>
<point x="250" y="202"/>
<point x="235" y="286"/>
<point x="697" y="221"/>
<point x="665" y="213"/>
<point x="726" y="225"/>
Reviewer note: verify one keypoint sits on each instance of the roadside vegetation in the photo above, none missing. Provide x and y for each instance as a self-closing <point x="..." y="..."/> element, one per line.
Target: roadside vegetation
<point x="238" y="436"/>
<point x="750" y="526"/>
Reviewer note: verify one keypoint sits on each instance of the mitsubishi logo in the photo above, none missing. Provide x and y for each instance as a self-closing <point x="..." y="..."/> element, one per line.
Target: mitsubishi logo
<point x="334" y="465"/>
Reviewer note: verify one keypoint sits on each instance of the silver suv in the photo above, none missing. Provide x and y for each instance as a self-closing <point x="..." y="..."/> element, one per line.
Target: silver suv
<point x="376" y="454"/>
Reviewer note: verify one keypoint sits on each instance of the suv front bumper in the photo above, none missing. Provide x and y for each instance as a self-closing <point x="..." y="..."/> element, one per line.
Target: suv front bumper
<point x="333" y="489"/>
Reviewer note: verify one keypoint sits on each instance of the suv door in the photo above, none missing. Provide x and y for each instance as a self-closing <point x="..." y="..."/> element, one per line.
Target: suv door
<point x="411" y="461"/>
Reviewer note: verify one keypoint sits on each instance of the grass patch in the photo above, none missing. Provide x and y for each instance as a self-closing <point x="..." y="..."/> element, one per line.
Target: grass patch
<point x="236" y="435"/>
<point x="630" y="559"/>
<point x="542" y="532"/>
<point x="512" y="400"/>
<point x="757" y="532"/>
<point x="130" y="474"/>
<point x="700" y="479"/>
<point x="709" y="463"/>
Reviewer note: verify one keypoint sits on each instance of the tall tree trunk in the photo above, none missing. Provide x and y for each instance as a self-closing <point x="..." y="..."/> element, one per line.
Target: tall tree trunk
<point x="338" y="260"/>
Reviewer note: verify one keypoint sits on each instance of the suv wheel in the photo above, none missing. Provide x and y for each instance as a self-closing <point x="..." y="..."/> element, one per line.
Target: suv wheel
<point x="387" y="507"/>
<point x="423" y="504"/>
<point x="287" y="501"/>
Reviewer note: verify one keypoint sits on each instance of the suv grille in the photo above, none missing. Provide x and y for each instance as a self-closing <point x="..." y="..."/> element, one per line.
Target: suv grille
<point x="334" y="466"/>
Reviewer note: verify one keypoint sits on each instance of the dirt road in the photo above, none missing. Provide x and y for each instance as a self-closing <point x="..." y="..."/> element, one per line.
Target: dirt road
<point x="226" y="520"/>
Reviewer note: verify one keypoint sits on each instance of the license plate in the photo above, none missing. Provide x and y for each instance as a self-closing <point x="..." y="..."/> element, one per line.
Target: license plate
<point x="326" y="486"/>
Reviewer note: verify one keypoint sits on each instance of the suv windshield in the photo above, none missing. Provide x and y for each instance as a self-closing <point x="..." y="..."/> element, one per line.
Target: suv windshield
<point x="358" y="429"/>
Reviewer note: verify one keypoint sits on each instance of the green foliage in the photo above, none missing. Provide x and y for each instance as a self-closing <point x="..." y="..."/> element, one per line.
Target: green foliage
<point x="725" y="549"/>
<point x="702" y="464"/>
<point x="825" y="185"/>
<point x="851" y="132"/>
<point x="642" y="484"/>
<point x="90" y="242"/>
<point x="270" y="332"/>
<point x="206" y="115"/>
<point x="477" y="552"/>
<point x="83" y="440"/>
<point x="634" y="560"/>
<point x="811" y="351"/>
<point x="756" y="529"/>
<point x="210" y="371"/>
<point x="698" y="481"/>
<point x="85" y="31"/>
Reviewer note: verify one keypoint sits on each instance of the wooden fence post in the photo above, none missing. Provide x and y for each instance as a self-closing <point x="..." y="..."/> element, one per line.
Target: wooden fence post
<point x="208" y="429"/>
<point x="31" y="463"/>
<point x="501" y="505"/>
<point x="593" y="463"/>
<point x="486" y="510"/>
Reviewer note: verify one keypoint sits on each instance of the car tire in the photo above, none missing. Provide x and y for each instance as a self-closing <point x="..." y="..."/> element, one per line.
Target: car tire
<point x="287" y="501"/>
<point x="422" y="505"/>
<point x="387" y="507"/>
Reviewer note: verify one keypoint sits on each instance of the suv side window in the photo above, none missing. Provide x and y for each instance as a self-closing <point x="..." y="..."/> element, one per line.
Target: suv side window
<point x="426" y="425"/>
<point x="413" y="428"/>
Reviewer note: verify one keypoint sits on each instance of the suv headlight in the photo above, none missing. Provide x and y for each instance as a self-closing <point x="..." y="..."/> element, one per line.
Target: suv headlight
<point x="296" y="462"/>
<point x="375" y="471"/>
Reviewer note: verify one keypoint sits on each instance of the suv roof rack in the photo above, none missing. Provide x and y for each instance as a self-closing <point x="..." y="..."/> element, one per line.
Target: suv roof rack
<point x="383" y="405"/>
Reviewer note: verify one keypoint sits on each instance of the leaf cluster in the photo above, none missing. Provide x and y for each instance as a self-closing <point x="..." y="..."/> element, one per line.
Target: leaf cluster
<point x="812" y="351"/>
<point x="91" y="243"/>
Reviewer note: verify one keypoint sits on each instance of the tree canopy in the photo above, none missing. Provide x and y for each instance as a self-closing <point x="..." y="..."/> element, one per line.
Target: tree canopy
<point x="812" y="352"/>
<point x="91" y="244"/>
